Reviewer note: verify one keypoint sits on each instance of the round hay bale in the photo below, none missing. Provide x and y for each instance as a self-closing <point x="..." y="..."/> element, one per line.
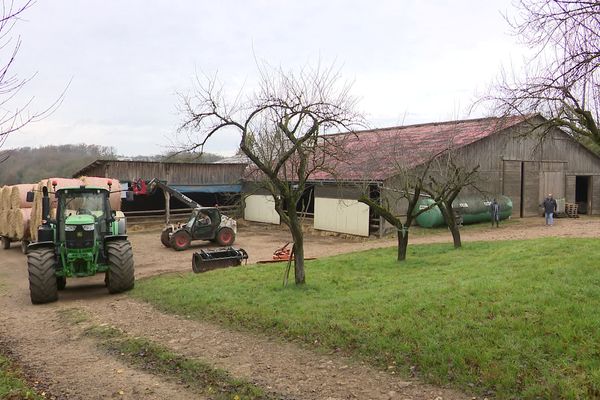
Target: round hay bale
<point x="18" y="196"/>
<point x="11" y="224"/>
<point x="115" y="198"/>
<point x="5" y="198"/>
<point x="4" y="222"/>
<point x="36" y="212"/>
<point x="61" y="183"/>
<point x="21" y="219"/>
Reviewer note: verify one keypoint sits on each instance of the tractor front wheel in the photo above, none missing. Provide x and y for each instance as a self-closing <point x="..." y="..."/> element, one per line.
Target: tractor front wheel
<point x="42" y="278"/>
<point x="120" y="274"/>
<point x="180" y="240"/>
<point x="164" y="237"/>
<point x="225" y="237"/>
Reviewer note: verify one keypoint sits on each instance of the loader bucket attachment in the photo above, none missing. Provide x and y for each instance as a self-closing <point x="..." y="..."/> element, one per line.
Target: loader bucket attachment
<point x="203" y="261"/>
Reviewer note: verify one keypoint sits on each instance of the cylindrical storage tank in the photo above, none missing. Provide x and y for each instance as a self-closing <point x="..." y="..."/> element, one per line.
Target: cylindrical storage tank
<point x="21" y="218"/>
<point x="476" y="209"/>
<point x="472" y="209"/>
<point x="18" y="196"/>
<point x="115" y="198"/>
<point x="430" y="218"/>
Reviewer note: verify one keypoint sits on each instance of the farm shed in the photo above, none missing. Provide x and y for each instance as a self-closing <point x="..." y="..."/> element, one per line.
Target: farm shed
<point x="206" y="183"/>
<point x="523" y="167"/>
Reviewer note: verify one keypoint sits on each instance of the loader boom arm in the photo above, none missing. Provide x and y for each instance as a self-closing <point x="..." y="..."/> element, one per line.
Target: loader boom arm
<point x="154" y="183"/>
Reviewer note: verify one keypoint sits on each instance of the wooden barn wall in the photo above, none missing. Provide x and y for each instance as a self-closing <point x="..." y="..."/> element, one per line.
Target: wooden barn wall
<point x="173" y="173"/>
<point x="547" y="167"/>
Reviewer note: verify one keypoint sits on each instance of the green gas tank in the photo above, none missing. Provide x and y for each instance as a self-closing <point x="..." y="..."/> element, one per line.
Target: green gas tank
<point x="473" y="209"/>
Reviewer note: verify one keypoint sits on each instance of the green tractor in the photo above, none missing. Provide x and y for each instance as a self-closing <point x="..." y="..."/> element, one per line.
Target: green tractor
<point x="83" y="240"/>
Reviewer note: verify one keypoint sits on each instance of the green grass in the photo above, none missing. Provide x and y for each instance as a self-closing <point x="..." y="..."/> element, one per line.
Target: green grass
<point x="12" y="385"/>
<point x="156" y="359"/>
<point x="514" y="319"/>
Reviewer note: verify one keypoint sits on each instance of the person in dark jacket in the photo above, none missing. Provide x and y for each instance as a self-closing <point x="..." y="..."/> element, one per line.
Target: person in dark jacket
<point x="550" y="206"/>
<point x="495" y="213"/>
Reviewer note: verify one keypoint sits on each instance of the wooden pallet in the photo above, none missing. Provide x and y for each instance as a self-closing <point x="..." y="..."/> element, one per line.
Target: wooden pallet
<point x="571" y="210"/>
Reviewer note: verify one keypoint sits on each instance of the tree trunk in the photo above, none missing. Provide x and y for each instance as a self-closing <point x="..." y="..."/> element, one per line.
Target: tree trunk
<point x="448" y="214"/>
<point x="298" y="238"/>
<point x="402" y="244"/>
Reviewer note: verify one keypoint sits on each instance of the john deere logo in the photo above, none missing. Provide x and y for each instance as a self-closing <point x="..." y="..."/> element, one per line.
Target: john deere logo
<point x="79" y="234"/>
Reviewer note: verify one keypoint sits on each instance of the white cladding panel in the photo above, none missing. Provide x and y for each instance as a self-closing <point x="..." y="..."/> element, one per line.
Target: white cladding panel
<point x="261" y="208"/>
<point x="342" y="215"/>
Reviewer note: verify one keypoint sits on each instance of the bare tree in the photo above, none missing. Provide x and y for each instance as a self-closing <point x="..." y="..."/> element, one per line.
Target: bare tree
<point x="561" y="79"/>
<point x="282" y="127"/>
<point x="448" y="179"/>
<point x="405" y="189"/>
<point x="12" y="117"/>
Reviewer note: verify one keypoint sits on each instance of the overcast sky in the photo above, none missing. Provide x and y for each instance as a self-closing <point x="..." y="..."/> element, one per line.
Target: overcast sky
<point x="410" y="61"/>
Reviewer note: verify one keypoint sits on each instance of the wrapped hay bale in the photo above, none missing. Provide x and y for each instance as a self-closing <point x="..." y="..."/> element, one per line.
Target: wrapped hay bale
<point x="18" y="196"/>
<point x="115" y="198"/>
<point x="20" y="223"/>
<point x="4" y="222"/>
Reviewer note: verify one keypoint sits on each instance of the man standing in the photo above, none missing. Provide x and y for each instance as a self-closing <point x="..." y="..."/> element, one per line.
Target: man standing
<point x="495" y="213"/>
<point x="549" y="209"/>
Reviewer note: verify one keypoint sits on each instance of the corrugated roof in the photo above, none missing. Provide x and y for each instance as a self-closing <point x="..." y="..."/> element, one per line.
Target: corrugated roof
<point x="376" y="154"/>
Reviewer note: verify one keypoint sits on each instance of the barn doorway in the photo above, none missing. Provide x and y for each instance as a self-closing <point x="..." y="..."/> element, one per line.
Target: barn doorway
<point x="583" y="185"/>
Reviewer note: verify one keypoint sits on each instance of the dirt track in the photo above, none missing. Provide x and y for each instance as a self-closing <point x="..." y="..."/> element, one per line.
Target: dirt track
<point x="72" y="367"/>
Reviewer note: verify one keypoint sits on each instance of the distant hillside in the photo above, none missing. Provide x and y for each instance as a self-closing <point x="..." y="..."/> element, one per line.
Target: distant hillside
<point x="28" y="165"/>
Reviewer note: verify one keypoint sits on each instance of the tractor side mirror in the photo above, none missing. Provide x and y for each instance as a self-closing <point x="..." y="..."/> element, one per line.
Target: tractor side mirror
<point x="29" y="197"/>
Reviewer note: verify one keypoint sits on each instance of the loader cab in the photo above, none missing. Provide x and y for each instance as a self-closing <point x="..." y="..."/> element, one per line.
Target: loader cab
<point x="204" y="222"/>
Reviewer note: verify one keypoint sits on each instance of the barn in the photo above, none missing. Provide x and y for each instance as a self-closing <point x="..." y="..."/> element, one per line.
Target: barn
<point x="512" y="161"/>
<point x="208" y="184"/>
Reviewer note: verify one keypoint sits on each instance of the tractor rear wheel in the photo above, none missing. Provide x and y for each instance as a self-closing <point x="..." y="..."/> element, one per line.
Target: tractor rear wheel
<point x="42" y="278"/>
<point x="225" y="237"/>
<point x="164" y="237"/>
<point x="120" y="274"/>
<point x="180" y="240"/>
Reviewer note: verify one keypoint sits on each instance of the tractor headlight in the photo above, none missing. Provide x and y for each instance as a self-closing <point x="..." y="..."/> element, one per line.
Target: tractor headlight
<point x="89" y="227"/>
<point x="70" y="228"/>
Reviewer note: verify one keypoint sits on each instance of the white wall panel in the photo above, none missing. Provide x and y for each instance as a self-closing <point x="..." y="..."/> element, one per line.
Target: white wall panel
<point x="342" y="215"/>
<point x="261" y="208"/>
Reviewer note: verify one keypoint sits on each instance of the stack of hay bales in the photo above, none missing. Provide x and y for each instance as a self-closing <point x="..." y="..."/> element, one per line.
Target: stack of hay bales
<point x="36" y="210"/>
<point x="15" y="211"/>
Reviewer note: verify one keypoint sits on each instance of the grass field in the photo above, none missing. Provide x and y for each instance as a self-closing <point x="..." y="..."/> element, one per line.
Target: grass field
<point x="12" y="386"/>
<point x="515" y="319"/>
